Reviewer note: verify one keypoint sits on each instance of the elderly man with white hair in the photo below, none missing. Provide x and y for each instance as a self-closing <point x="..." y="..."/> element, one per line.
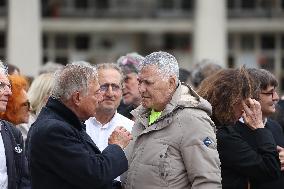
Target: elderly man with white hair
<point x="61" y="154"/>
<point x="174" y="142"/>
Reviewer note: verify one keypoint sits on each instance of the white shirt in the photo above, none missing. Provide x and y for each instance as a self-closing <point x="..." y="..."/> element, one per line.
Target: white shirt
<point x="3" y="166"/>
<point x="100" y="133"/>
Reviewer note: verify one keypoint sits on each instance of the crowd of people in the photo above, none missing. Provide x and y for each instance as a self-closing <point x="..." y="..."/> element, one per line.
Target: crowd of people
<point x="141" y="123"/>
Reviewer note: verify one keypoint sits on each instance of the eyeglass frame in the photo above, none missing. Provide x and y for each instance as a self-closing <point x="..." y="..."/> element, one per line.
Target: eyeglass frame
<point x="3" y="85"/>
<point x="269" y="93"/>
<point x="114" y="87"/>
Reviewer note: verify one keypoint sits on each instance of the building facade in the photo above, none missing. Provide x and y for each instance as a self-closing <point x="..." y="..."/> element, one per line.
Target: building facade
<point x="103" y="30"/>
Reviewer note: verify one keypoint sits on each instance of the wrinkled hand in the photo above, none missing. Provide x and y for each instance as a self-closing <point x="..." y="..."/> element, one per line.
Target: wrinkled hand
<point x="252" y="114"/>
<point x="281" y="156"/>
<point x="120" y="136"/>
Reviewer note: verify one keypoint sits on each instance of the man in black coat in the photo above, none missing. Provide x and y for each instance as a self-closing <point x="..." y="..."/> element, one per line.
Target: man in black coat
<point x="265" y="92"/>
<point x="17" y="169"/>
<point x="60" y="152"/>
<point x="13" y="164"/>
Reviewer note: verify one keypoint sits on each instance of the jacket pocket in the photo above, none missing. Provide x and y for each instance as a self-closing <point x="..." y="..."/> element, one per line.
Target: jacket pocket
<point x="162" y="161"/>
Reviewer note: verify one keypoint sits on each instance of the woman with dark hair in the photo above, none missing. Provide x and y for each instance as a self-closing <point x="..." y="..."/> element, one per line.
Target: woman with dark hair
<point x="229" y="92"/>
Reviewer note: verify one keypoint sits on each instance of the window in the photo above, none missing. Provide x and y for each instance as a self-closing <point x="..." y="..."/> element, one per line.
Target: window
<point x="282" y="42"/>
<point x="231" y="4"/>
<point x="51" y="8"/>
<point x="230" y="41"/>
<point x="61" y="60"/>
<point x="166" y="4"/>
<point x="81" y="4"/>
<point x="177" y="41"/>
<point x="267" y="4"/>
<point x="231" y="62"/>
<point x="44" y="41"/>
<point x="187" y="4"/>
<point x="248" y="4"/>
<point x="44" y="59"/>
<point x="3" y="3"/>
<point x="61" y="41"/>
<point x="82" y="42"/>
<point x="2" y="40"/>
<point x="282" y="83"/>
<point x="267" y="42"/>
<point x="106" y="43"/>
<point x="247" y="42"/>
<point x="102" y="4"/>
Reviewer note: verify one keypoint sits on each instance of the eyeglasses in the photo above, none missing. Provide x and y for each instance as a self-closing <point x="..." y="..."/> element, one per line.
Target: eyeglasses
<point x="272" y="93"/>
<point x="114" y="87"/>
<point x="3" y="85"/>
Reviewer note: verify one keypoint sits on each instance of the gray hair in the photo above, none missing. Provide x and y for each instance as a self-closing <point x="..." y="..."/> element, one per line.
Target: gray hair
<point x="261" y="80"/>
<point x="111" y="66"/>
<point x="50" y="67"/>
<point x="73" y="77"/>
<point x="166" y="63"/>
<point x="203" y="69"/>
<point x="130" y="63"/>
<point x="39" y="90"/>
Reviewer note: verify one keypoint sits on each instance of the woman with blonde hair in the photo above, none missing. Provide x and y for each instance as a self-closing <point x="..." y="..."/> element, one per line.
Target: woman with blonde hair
<point x="40" y="91"/>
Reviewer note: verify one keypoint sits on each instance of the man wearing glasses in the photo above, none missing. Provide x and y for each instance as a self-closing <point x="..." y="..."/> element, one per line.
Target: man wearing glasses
<point x="264" y="86"/>
<point x="106" y="118"/>
<point x="13" y="165"/>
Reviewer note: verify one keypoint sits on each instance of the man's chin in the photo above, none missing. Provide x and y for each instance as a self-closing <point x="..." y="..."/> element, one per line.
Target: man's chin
<point x="145" y="105"/>
<point x="106" y="108"/>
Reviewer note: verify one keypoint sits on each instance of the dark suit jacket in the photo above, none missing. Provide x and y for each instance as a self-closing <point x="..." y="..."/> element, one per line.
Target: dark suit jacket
<point x="240" y="161"/>
<point x="250" y="138"/>
<point x="62" y="155"/>
<point x="17" y="169"/>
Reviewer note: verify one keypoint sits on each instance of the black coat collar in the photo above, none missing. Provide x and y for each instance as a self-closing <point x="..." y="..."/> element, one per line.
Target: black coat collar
<point x="64" y="112"/>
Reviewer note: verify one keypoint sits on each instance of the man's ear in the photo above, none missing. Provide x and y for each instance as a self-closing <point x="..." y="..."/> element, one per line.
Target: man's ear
<point x="172" y="83"/>
<point x="76" y="98"/>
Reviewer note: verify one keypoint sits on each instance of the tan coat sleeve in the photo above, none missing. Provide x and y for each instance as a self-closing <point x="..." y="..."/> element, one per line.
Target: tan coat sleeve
<point x="199" y="151"/>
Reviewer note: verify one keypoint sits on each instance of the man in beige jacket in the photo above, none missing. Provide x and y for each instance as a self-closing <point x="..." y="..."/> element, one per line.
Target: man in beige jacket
<point x="174" y="142"/>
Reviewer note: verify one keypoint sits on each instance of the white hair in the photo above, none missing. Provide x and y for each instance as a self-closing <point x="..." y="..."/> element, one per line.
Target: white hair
<point x="3" y="68"/>
<point x="73" y="77"/>
<point x="166" y="63"/>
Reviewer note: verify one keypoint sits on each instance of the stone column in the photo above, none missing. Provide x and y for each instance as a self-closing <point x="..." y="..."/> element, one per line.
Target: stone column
<point x="210" y="31"/>
<point x="24" y="35"/>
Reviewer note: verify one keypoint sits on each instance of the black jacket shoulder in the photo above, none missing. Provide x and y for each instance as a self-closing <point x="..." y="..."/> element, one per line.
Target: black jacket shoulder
<point x="241" y="162"/>
<point x="17" y="168"/>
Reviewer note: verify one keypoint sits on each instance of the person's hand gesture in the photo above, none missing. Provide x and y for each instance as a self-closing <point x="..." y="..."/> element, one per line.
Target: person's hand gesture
<point x="252" y="114"/>
<point x="281" y="156"/>
<point x="120" y="136"/>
